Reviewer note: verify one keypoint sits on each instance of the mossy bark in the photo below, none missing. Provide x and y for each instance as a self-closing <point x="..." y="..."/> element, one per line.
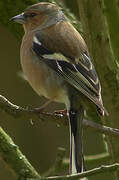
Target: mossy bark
<point x="111" y="12"/>
<point x="15" y="159"/>
<point x="96" y="33"/>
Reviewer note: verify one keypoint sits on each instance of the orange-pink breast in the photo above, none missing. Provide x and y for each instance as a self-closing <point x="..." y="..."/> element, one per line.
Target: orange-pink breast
<point x="42" y="79"/>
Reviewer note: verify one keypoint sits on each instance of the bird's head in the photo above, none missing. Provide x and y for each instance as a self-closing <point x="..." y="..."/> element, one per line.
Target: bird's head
<point x="40" y="15"/>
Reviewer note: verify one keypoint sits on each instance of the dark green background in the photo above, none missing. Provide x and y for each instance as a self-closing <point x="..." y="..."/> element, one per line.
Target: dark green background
<point x="38" y="142"/>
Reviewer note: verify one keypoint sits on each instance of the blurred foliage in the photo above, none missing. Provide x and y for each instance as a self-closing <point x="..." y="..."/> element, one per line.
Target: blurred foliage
<point x="9" y="9"/>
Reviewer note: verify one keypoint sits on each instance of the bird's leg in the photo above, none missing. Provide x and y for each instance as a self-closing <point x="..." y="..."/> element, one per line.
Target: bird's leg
<point x="41" y="109"/>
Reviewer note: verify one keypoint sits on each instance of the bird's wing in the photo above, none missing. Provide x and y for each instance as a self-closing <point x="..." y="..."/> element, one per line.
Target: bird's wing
<point x="81" y="75"/>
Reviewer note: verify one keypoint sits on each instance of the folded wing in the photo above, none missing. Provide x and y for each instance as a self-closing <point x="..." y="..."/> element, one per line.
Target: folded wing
<point x="81" y="75"/>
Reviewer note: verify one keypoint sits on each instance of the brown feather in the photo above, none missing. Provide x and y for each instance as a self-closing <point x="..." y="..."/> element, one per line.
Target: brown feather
<point x="63" y="38"/>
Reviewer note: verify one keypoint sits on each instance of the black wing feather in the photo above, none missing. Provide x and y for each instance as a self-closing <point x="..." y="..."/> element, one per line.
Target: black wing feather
<point x="81" y="75"/>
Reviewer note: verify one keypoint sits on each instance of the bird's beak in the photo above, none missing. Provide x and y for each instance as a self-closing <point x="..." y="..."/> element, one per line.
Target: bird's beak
<point x="19" y="18"/>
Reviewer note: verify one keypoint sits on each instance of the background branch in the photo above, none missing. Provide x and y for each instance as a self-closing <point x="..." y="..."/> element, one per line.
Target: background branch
<point x="102" y="169"/>
<point x="18" y="112"/>
<point x="23" y="169"/>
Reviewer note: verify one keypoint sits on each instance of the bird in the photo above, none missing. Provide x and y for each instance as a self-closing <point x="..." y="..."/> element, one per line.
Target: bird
<point x="56" y="62"/>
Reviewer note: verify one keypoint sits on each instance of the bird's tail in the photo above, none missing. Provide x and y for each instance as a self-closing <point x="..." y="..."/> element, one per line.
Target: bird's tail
<point x="76" y="147"/>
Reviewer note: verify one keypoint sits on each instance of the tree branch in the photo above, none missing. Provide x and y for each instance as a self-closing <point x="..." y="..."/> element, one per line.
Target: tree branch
<point x="102" y="169"/>
<point x="11" y="154"/>
<point x="100" y="49"/>
<point x="62" y="164"/>
<point x="18" y="112"/>
<point x="23" y="169"/>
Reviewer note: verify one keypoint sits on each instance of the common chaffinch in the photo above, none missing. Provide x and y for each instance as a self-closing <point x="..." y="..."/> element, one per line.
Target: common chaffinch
<point x="56" y="62"/>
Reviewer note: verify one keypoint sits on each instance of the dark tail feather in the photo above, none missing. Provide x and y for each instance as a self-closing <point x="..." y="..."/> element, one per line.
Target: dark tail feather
<point x="76" y="147"/>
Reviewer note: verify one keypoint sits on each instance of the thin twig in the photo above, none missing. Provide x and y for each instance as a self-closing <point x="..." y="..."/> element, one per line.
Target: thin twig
<point x="18" y="112"/>
<point x="101" y="169"/>
<point x="101" y="128"/>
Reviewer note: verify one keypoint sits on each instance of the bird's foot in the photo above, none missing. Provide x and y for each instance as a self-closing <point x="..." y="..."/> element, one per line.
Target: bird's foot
<point x="62" y="112"/>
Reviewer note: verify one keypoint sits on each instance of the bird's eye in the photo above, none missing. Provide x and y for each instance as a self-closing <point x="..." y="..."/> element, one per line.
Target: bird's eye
<point x="29" y="15"/>
<point x="32" y="15"/>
